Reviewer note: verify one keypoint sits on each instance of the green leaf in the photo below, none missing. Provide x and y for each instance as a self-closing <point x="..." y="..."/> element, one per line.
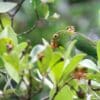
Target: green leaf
<point x="12" y="71"/>
<point x="35" y="3"/>
<point x="56" y="56"/>
<point x="11" y="63"/>
<point x="95" y="83"/>
<point x="56" y="72"/>
<point x="64" y="94"/>
<point x="1" y="63"/>
<point x="6" y="6"/>
<point x="43" y="10"/>
<point x="46" y="59"/>
<point x="6" y="20"/>
<point x="89" y="64"/>
<point x="98" y="51"/>
<point x="74" y="83"/>
<point x="95" y="77"/>
<point x="3" y="44"/>
<point x="20" y="47"/>
<point x="24" y="62"/>
<point x="44" y="63"/>
<point x="36" y="50"/>
<point x="8" y="32"/>
<point x="52" y="92"/>
<point x="12" y="59"/>
<point x="73" y="64"/>
<point x="69" y="50"/>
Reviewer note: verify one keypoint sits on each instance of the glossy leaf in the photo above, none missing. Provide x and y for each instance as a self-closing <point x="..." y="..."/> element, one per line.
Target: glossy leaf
<point x="64" y="94"/>
<point x="43" y="10"/>
<point x="8" y="32"/>
<point x="11" y="63"/>
<point x="24" y="62"/>
<point x="36" y="50"/>
<point x="1" y="63"/>
<point x="6" y="6"/>
<point x="56" y="72"/>
<point x="98" y="51"/>
<point x="6" y="21"/>
<point x="20" y="47"/>
<point x="12" y="59"/>
<point x="73" y="64"/>
<point x="44" y="60"/>
<point x="69" y="50"/>
<point x="12" y="72"/>
<point x="35" y="3"/>
<point x="56" y="56"/>
<point x="95" y="77"/>
<point x="89" y="64"/>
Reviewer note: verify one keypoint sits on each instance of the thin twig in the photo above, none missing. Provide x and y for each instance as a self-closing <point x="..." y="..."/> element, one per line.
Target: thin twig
<point x="28" y="31"/>
<point x="17" y="9"/>
<point x="30" y="86"/>
<point x="1" y="24"/>
<point x="57" y="90"/>
<point x="36" y="13"/>
<point x="7" y="84"/>
<point x="22" y="80"/>
<point x="12" y="21"/>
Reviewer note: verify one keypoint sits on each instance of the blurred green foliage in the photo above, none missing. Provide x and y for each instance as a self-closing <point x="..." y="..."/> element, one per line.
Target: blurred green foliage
<point x="31" y="68"/>
<point x="51" y="16"/>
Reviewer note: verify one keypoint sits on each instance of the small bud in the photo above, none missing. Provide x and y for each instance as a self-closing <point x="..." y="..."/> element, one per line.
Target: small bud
<point x="9" y="47"/>
<point x="80" y="93"/>
<point x="79" y="73"/>
<point x="40" y="56"/>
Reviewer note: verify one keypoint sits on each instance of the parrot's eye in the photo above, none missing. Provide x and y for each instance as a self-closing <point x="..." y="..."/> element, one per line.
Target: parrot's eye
<point x="55" y="36"/>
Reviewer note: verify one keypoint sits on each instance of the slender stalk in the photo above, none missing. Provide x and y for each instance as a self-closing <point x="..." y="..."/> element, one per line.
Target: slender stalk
<point x="1" y="23"/>
<point x="16" y="11"/>
<point x="28" y="31"/>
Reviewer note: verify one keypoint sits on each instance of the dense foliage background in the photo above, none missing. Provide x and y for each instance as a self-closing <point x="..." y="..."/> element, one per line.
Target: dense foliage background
<point x="40" y="58"/>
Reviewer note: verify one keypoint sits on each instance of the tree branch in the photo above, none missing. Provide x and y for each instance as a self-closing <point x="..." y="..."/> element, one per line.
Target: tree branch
<point x="29" y="30"/>
<point x="57" y="90"/>
<point x="17" y="9"/>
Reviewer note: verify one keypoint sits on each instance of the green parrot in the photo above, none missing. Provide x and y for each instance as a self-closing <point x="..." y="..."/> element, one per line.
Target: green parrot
<point x="60" y="38"/>
<point x="84" y="44"/>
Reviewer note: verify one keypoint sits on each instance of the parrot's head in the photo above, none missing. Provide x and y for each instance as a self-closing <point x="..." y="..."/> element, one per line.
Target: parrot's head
<point x="62" y="37"/>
